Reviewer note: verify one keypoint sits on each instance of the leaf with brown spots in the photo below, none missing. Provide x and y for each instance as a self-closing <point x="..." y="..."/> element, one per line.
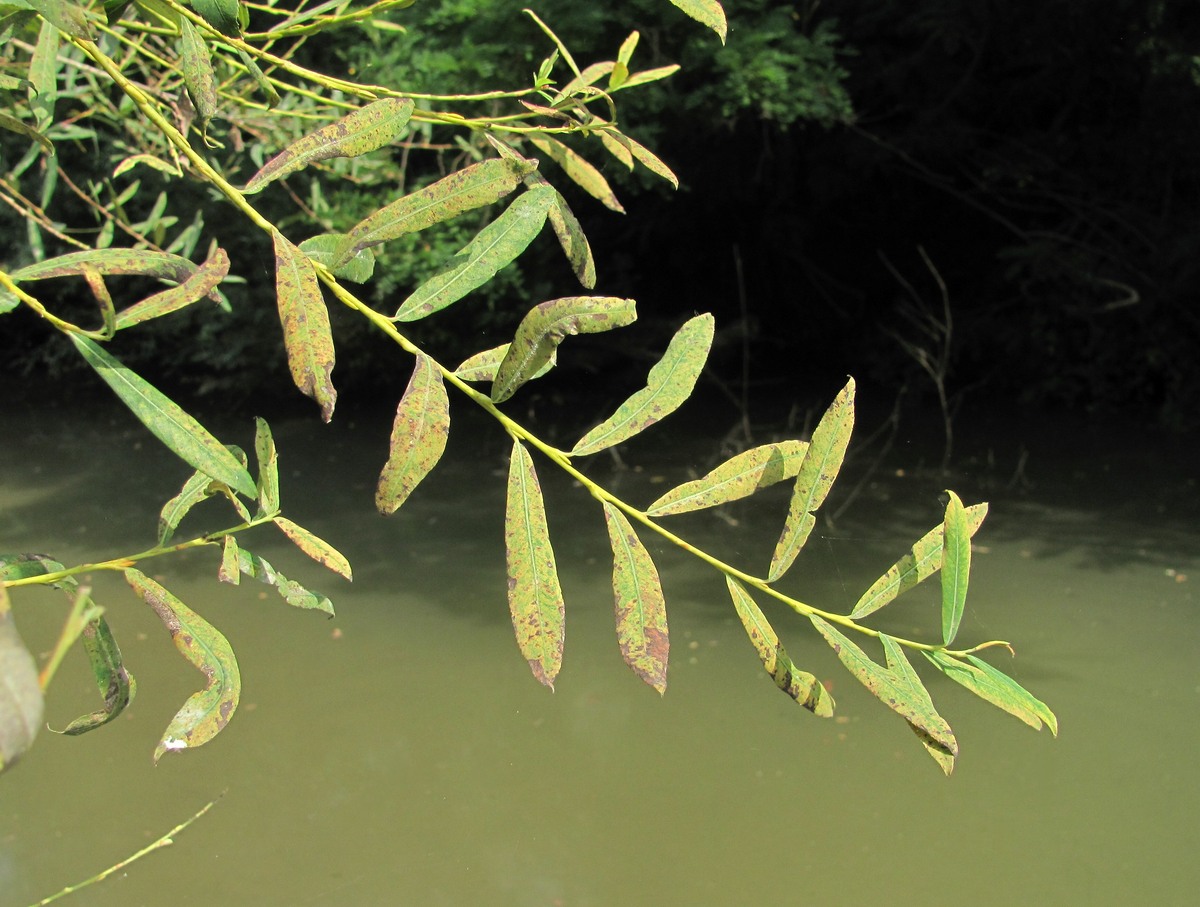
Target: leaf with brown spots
<point x="306" y="333"/>
<point x="315" y="547"/>
<point x="736" y="478"/>
<point x="206" y="712"/>
<point x="419" y="435"/>
<point x="641" y="610"/>
<point x="579" y="170"/>
<point x="203" y="282"/>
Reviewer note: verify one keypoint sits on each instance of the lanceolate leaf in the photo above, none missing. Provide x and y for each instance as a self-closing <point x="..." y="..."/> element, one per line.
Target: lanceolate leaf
<point x="465" y="190"/>
<point x="257" y="568"/>
<point x="220" y="14"/>
<point x="110" y="261"/>
<point x="483" y="366"/>
<point x="419" y="435"/>
<point x="334" y="252"/>
<point x="197" y="488"/>
<point x="198" y="73"/>
<point x="366" y="129"/>
<point x="641" y="610"/>
<point x="799" y="685"/>
<point x="315" y="547"/>
<point x="182" y="434"/>
<point x="582" y="173"/>
<point x="268" y="468"/>
<point x="200" y="284"/>
<point x="922" y="562"/>
<point x="996" y="687"/>
<point x="534" y="595"/>
<point x="668" y="385"/>
<point x="570" y="234"/>
<point x="737" y="477"/>
<point x="12" y="124"/>
<point x="896" y="686"/>
<point x="306" y="333"/>
<point x="206" y="712"/>
<point x="495" y="246"/>
<point x="817" y="472"/>
<point x="956" y="567"/>
<point x="21" y="702"/>
<point x="626" y="150"/>
<point x="70" y="18"/>
<point x="546" y="325"/>
<point x="116" y="684"/>
<point x="706" y="12"/>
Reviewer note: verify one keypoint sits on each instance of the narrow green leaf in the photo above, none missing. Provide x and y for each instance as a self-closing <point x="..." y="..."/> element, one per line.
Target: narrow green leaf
<point x="260" y="79"/>
<point x="534" y="595"/>
<point x="589" y="76"/>
<point x="260" y="569"/>
<point x="220" y="14"/>
<point x="628" y="46"/>
<point x="706" y="12"/>
<point x="367" y="129"/>
<point x="198" y="75"/>
<point x="578" y="170"/>
<point x="736" y="478"/>
<point x="922" y="562"/>
<point x="21" y="701"/>
<point x="70" y="18"/>
<point x="197" y="488"/>
<point x="12" y="124"/>
<point x="801" y="686"/>
<point x="268" y="468"/>
<point x="144" y="262"/>
<point x="22" y="566"/>
<point x="570" y="234"/>
<point x="183" y="435"/>
<point x="206" y="712"/>
<point x="994" y="686"/>
<point x="956" y="567"/>
<point x="230" y="570"/>
<point x="616" y="145"/>
<point x="419" y="434"/>
<point x="826" y="451"/>
<point x="306" y="333"/>
<point x="113" y="679"/>
<point x="43" y="73"/>
<point x="465" y="190"/>
<point x="641" y="610"/>
<point x="648" y="75"/>
<point x="546" y="325"/>
<point x="315" y="547"/>
<point x="668" y="385"/>
<point x="203" y="282"/>
<point x="334" y="252"/>
<point x="494" y="247"/>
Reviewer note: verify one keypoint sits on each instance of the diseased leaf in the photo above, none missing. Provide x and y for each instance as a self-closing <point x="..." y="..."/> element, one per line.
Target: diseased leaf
<point x="70" y="18"/>
<point x="706" y="12"/>
<point x="21" y="701"/>
<point x="22" y="566"/>
<point x="144" y="262"/>
<point x="546" y="325"/>
<point x="220" y="14"/>
<point x="738" y="477"/>
<point x="924" y="560"/>
<point x="534" y="595"/>
<point x="616" y="145"/>
<point x="493" y="248"/>
<point x="668" y="385"/>
<point x="198" y="75"/>
<point x="641" y="610"/>
<point x="230" y="570"/>
<point x="570" y="234"/>
<point x="268" y="467"/>
<point x="419" y="434"/>
<point x="334" y="252"/>
<point x="198" y="285"/>
<point x="483" y="365"/>
<point x="464" y="190"/>
<point x="260" y="80"/>
<point x="315" y="547"/>
<point x="578" y="170"/>
<point x="993" y="685"/>
<point x="12" y="124"/>
<point x="306" y="333"/>
<point x="114" y="681"/>
<point x="627" y="149"/>
<point x="956" y="567"/>
<point x="197" y="488"/>
<point x="206" y="712"/>
<point x="799" y="685"/>
<point x="258" y="568"/>
<point x="367" y="129"/>
<point x="826" y="451"/>
<point x="183" y="435"/>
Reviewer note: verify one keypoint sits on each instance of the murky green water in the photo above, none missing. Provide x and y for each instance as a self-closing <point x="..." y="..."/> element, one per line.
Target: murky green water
<point x="402" y="754"/>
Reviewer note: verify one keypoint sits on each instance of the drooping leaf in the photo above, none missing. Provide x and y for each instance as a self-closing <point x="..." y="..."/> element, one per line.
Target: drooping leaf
<point x="197" y="488"/>
<point x="230" y="570"/>
<point x="268" y="467"/>
<point x="578" y="170"/>
<point x="220" y="14"/>
<point x="12" y="124"/>
<point x="21" y="701"/>
<point x="641" y="610"/>
<point x="198" y="75"/>
<point x="259" y="77"/>
<point x="668" y="385"/>
<point x="65" y="15"/>
<point x="200" y="284"/>
<point x="706" y="12"/>
<point x="367" y="129"/>
<point x="306" y="333"/>
<point x="534" y="596"/>
<point x="464" y="190"/>
<point x="922" y="562"/>
<point x="494" y="247"/>
<point x="956" y="567"/>
<point x="546" y="325"/>
<point x="419" y="434"/>
<point x="736" y="478"/>
<point x="826" y="451"/>
<point x="315" y="547"/>
<point x="616" y="145"/>
<point x="144" y="262"/>
<point x="182" y="434"/>
<point x="801" y="686"/>
<point x="207" y="711"/>
<point x="83" y="611"/>
<point x="896" y="686"/>
<point x="260" y="569"/>
<point x="43" y="72"/>
<point x="334" y="252"/>
<point x="113" y="679"/>
<point x="627" y="150"/>
<point x="994" y="686"/>
<point x="570" y="234"/>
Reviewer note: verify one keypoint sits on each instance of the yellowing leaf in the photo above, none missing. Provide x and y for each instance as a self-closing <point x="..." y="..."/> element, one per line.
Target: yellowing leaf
<point x="668" y="385"/>
<point x="268" y="468"/>
<point x="956" y="567"/>
<point x="484" y="365"/>
<point x="706" y="12"/>
<point x="116" y="684"/>
<point x="315" y="547"/>
<point x="578" y="170"/>
<point x="257" y="568"/>
<point x="570" y="234"/>
<point x="306" y="333"/>
<point x="994" y="686"/>
<point x="534" y="595"/>
<point x="145" y="262"/>
<point x="736" y="478"/>
<point x="198" y="75"/>
<point x="334" y="252"/>
<point x="203" y="282"/>
<point x="641" y="610"/>
<point x="419" y="435"/>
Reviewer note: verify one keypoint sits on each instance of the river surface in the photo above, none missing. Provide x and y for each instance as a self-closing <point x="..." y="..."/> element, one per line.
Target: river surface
<point x="402" y="754"/>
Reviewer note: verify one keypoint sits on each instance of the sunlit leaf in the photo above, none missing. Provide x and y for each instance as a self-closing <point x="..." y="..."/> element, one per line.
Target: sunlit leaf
<point x="494" y="247"/>
<point x="419" y="434"/>
<point x="306" y="332"/>
<point x="144" y="262"/>
<point x="706" y="12"/>
<point x="21" y="701"/>
<point x="183" y="435"/>
<point x="993" y="685"/>
<point x="483" y="365"/>
<point x="197" y="488"/>
<point x="206" y="712"/>
<point x="641" y="610"/>
<point x="230" y="570"/>
<point x="587" y="77"/>
<point x="70" y="18"/>
<point x="315" y="547"/>
<point x="956" y="567"/>
<point x="668" y="385"/>
<point x="546" y="325"/>
<point x="113" y="679"/>
<point x="22" y="566"/>
<point x="627" y="150"/>
<point x="257" y="568"/>
<point x="367" y="129"/>
<point x="334" y="252"/>
<point x="922" y="562"/>
<point x="616" y="145"/>
<point x="738" y="477"/>
<point x="203" y="282"/>
<point x="534" y="595"/>
<point x="578" y="170"/>
<point x="799" y="685"/>
<point x="826" y="451"/>
<point x="268" y="467"/>
<point x="648" y="75"/>
<point x="570" y="234"/>
<point x="198" y="75"/>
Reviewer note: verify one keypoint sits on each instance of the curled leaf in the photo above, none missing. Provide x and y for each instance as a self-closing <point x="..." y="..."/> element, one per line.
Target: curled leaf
<point x="203" y="282"/>
<point x="306" y="333"/>
<point x="113" y="679"/>
<point x="641" y="610"/>
<point x="419" y="434"/>
<point x="268" y="467"/>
